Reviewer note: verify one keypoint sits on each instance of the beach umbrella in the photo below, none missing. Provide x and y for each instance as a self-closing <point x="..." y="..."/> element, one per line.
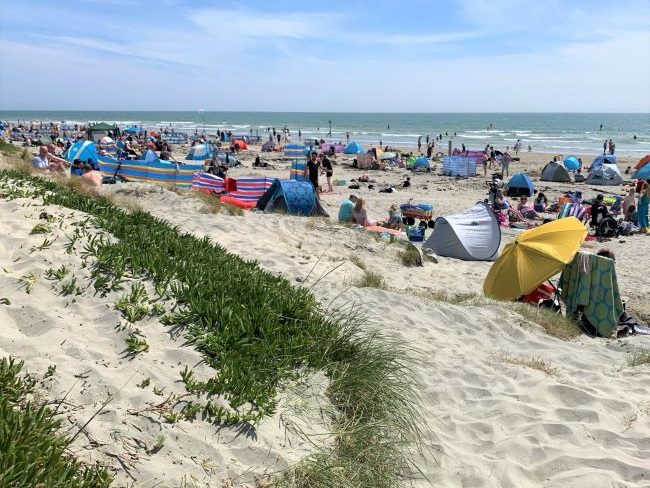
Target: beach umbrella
<point x="643" y="161"/>
<point x="534" y="256"/>
<point x="571" y="163"/>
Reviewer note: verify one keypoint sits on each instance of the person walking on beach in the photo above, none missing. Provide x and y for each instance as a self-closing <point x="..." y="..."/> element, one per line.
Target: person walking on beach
<point x="347" y="138"/>
<point x="605" y="147"/>
<point x="505" y="165"/>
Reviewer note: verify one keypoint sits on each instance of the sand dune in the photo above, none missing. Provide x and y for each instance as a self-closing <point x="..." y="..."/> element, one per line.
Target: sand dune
<point x="506" y="404"/>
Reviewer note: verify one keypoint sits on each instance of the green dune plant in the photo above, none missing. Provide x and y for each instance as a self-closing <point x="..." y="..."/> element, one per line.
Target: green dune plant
<point x="33" y="451"/>
<point x="256" y="331"/>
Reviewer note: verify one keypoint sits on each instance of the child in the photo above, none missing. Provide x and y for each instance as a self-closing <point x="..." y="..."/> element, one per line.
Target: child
<point x="630" y="215"/>
<point x="394" y="218"/>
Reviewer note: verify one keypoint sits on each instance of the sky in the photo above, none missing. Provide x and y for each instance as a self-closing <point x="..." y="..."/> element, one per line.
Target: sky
<point x="347" y="56"/>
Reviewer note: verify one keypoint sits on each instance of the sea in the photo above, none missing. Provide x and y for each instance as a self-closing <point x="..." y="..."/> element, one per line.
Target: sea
<point x="558" y="133"/>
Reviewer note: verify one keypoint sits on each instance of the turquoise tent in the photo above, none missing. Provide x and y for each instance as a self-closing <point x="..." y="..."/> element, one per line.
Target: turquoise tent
<point x="643" y="173"/>
<point x="354" y="148"/>
<point x="422" y="163"/>
<point x="571" y="163"/>
<point x="291" y="196"/>
<point x="83" y="150"/>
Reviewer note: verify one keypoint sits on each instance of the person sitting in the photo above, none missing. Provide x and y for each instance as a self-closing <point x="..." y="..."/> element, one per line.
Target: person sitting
<point x="598" y="211"/>
<point x="526" y="209"/>
<point x="90" y="176"/>
<point x="541" y="202"/>
<point x="77" y="168"/>
<point x="615" y="209"/>
<point x="347" y="208"/>
<point x="407" y="182"/>
<point x="45" y="161"/>
<point x="394" y="218"/>
<point x="258" y="163"/>
<point x="500" y="201"/>
<point x="629" y="199"/>
<point x="631" y="216"/>
<point x="360" y="215"/>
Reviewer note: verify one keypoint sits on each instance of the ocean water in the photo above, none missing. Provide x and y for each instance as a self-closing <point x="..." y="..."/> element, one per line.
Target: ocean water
<point x="561" y="133"/>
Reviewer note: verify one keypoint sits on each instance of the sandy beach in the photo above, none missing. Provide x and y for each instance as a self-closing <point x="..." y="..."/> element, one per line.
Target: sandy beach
<point x="504" y="403"/>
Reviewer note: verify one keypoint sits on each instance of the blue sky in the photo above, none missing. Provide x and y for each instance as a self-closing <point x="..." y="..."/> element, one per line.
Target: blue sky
<point x="406" y="56"/>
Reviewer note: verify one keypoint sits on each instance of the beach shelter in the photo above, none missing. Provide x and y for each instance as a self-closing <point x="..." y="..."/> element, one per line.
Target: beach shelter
<point x="292" y="197"/>
<point x="295" y="153"/>
<point x="602" y="159"/>
<point x="199" y="152"/>
<point x="457" y="165"/>
<point x="268" y="146"/>
<point x="571" y="163"/>
<point x="421" y="163"/>
<point x="643" y="161"/>
<point x="131" y="130"/>
<point x="239" y="144"/>
<point x="642" y="173"/>
<point x="555" y="172"/>
<point x="100" y="130"/>
<point x="471" y="235"/>
<point x="83" y="150"/>
<point x="605" y="174"/>
<point x="533" y="257"/>
<point x="354" y="148"/>
<point x="520" y="184"/>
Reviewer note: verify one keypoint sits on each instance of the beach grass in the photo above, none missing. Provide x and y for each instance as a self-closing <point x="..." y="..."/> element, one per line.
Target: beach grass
<point x="534" y="362"/>
<point x="256" y="330"/>
<point x="370" y="279"/>
<point x="33" y="451"/>
<point x="410" y="256"/>
<point x="639" y="356"/>
<point x="555" y="324"/>
<point x="458" y="298"/>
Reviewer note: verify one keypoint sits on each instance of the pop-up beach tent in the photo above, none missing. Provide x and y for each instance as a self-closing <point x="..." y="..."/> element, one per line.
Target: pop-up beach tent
<point x="602" y="159"/>
<point x="268" y="146"/>
<point x="354" y="148"/>
<point x="605" y="174"/>
<point x="520" y="184"/>
<point x="421" y="163"/>
<point x="472" y="235"/>
<point x="643" y="173"/>
<point x="293" y="197"/>
<point x="82" y="150"/>
<point x="199" y="152"/>
<point x="555" y="172"/>
<point x="571" y="163"/>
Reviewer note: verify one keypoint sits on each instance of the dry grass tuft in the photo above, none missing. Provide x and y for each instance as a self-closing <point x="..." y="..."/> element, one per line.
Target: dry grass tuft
<point x="459" y="298"/>
<point x="370" y="279"/>
<point x="639" y="357"/>
<point x="555" y="324"/>
<point x="411" y="256"/>
<point x="533" y="363"/>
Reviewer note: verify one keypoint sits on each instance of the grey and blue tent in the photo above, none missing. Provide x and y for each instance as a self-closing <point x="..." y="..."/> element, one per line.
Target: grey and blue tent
<point x="472" y="235"/>
<point x="293" y="197"/>
<point x="520" y="184"/>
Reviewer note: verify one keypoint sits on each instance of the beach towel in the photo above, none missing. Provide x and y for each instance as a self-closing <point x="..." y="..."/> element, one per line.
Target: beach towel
<point x="384" y="230"/>
<point x="595" y="291"/>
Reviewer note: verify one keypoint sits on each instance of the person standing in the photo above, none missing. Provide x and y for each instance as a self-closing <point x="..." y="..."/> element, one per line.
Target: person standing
<point x="311" y="171"/>
<point x="505" y="165"/>
<point x="329" y="172"/>
<point x="605" y="147"/>
<point x="419" y="143"/>
<point x="347" y="138"/>
<point x="299" y="135"/>
<point x="612" y="147"/>
<point x="642" y="207"/>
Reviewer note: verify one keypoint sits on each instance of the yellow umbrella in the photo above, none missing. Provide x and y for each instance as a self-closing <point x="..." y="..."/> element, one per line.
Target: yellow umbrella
<point x="534" y="256"/>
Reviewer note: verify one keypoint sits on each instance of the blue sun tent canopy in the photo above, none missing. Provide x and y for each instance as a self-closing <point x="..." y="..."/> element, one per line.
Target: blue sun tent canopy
<point x="131" y="130"/>
<point x="571" y="163"/>
<point x="354" y="148"/>
<point x="422" y="163"/>
<point x="83" y="150"/>
<point x="291" y="196"/>
<point x="643" y="173"/>
<point x="520" y="184"/>
<point x="602" y="159"/>
<point x="199" y="152"/>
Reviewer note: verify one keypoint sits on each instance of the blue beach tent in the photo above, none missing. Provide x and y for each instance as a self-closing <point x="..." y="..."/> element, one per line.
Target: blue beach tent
<point x="571" y="163"/>
<point x="131" y="130"/>
<point x="83" y="150"/>
<point x="520" y="184"/>
<point x="422" y="163"/>
<point x="293" y="197"/>
<point x="354" y="148"/>
<point x="602" y="159"/>
<point x="199" y="152"/>
<point x="643" y="173"/>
